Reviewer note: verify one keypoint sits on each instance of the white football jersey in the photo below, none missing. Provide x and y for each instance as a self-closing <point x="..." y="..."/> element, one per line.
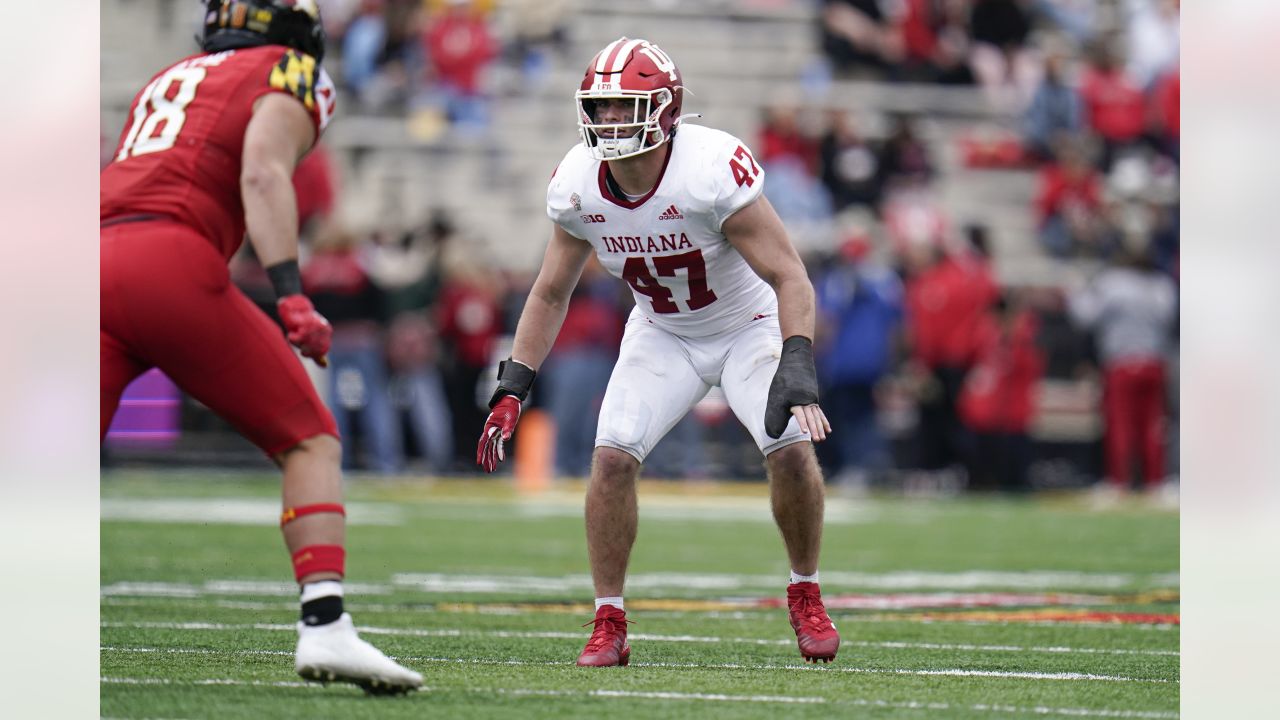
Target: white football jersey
<point x="686" y="277"/>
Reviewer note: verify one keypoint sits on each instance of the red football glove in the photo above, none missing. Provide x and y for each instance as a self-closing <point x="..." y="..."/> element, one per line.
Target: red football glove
<point x="497" y="431"/>
<point x="306" y="328"/>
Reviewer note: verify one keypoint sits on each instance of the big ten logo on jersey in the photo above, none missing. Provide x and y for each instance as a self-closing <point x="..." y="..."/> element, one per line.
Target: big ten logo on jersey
<point x="593" y="218"/>
<point x="299" y="75"/>
<point x="740" y="173"/>
<point x="161" y="110"/>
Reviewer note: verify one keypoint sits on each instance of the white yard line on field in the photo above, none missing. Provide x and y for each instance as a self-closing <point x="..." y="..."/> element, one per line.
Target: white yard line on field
<point x="699" y="697"/>
<point x="230" y="511"/>
<point x="708" y="639"/>
<point x="726" y="615"/>
<point x="831" y="581"/>
<point x="949" y="672"/>
<point x="682" y="583"/>
<point x="266" y="511"/>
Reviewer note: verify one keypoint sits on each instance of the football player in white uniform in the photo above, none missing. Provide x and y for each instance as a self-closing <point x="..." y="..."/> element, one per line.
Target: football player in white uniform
<point x="676" y="210"/>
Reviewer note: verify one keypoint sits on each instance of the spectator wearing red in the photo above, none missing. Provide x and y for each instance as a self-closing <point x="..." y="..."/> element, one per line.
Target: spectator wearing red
<point x="460" y="46"/>
<point x="782" y="140"/>
<point x="1131" y="308"/>
<point x="997" y="402"/>
<point x="791" y="156"/>
<point x="947" y="297"/>
<point x="1069" y="202"/>
<point x="469" y="320"/>
<point x="1114" y="105"/>
<point x="934" y="40"/>
<point x="315" y="183"/>
<point x="1166" y="118"/>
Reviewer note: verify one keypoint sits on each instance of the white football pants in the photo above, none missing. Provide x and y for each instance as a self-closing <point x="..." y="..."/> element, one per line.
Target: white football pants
<point x="659" y="377"/>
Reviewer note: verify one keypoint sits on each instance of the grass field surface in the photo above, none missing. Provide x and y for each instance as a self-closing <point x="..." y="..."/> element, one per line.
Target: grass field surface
<point x="958" y="608"/>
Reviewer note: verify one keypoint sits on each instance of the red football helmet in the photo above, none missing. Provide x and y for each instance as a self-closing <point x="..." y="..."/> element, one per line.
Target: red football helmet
<point x="639" y="72"/>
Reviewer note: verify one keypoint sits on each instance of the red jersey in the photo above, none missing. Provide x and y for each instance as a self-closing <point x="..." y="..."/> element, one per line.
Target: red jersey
<point x="1114" y="104"/>
<point x="946" y="305"/>
<point x="179" y="155"/>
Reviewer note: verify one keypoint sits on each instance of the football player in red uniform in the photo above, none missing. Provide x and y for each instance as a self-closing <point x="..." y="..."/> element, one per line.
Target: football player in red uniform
<point x="208" y="152"/>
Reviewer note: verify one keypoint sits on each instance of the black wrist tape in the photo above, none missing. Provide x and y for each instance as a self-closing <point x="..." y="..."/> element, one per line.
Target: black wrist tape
<point x="285" y="278"/>
<point x="513" y="379"/>
<point x="798" y="344"/>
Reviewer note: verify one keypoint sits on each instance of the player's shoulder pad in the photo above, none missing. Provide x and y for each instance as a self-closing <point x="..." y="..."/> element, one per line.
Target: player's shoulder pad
<point x="726" y="174"/>
<point x="298" y="74"/>
<point x="568" y="182"/>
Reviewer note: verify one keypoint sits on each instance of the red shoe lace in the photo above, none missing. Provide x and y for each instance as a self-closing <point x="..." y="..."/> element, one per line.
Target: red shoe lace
<point x="606" y="627"/>
<point x="810" y="608"/>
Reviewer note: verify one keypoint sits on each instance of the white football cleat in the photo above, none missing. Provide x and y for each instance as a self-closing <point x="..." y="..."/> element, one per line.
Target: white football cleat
<point x="335" y="653"/>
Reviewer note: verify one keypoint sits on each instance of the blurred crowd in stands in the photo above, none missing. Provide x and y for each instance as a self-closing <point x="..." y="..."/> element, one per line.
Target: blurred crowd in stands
<point x="931" y="367"/>
<point x="433" y="59"/>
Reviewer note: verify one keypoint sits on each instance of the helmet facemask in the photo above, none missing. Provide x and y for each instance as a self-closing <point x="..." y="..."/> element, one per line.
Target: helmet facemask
<point x="612" y="141"/>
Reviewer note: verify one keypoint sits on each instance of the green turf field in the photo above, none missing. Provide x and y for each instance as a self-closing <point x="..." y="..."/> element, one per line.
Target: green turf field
<point x="963" y="608"/>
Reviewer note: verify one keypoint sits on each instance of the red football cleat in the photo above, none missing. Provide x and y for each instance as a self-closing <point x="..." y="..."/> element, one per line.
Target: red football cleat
<point x="608" y="644"/>
<point x="815" y="632"/>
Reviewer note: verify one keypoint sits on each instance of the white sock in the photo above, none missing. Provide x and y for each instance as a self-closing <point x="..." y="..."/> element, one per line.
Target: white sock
<point x="798" y="578"/>
<point x="614" y="601"/>
<point x="321" y="588"/>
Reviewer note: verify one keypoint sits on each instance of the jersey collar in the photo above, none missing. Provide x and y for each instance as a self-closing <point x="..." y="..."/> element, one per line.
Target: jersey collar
<point x="616" y="199"/>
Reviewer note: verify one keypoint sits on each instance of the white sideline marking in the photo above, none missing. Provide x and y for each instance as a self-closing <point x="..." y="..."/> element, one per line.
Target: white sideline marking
<point x="717" y="666"/>
<point x="190" y="651"/>
<point x="266" y="511"/>
<point x="724" y="582"/>
<point x="560" y="635"/>
<point x="832" y="580"/>
<point x="732" y="615"/>
<point x="226" y="587"/>
<point x="230" y="511"/>
<point x="702" y="697"/>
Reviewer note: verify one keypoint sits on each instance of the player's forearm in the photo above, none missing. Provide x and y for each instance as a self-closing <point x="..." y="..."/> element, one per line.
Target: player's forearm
<point x="270" y="213"/>
<point x="796" y="306"/>
<point x="538" y="327"/>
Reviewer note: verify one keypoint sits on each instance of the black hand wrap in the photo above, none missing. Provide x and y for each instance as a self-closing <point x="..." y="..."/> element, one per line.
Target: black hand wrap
<point x="285" y="278"/>
<point x="795" y="383"/>
<point x="514" y="378"/>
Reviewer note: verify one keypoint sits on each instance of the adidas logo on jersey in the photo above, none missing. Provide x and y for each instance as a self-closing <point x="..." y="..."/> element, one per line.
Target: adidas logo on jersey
<point x="671" y="213"/>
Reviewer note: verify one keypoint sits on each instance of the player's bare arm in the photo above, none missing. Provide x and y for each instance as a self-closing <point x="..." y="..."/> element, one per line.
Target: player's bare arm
<point x="548" y="301"/>
<point x="757" y="233"/>
<point x="544" y="313"/>
<point x="279" y="134"/>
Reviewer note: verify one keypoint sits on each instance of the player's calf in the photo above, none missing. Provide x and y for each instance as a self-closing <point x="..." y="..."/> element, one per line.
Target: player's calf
<point x="329" y="650"/>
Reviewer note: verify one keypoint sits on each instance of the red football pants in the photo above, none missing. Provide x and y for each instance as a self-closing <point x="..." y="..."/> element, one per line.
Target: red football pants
<point x="168" y="302"/>
<point x="1133" y="408"/>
